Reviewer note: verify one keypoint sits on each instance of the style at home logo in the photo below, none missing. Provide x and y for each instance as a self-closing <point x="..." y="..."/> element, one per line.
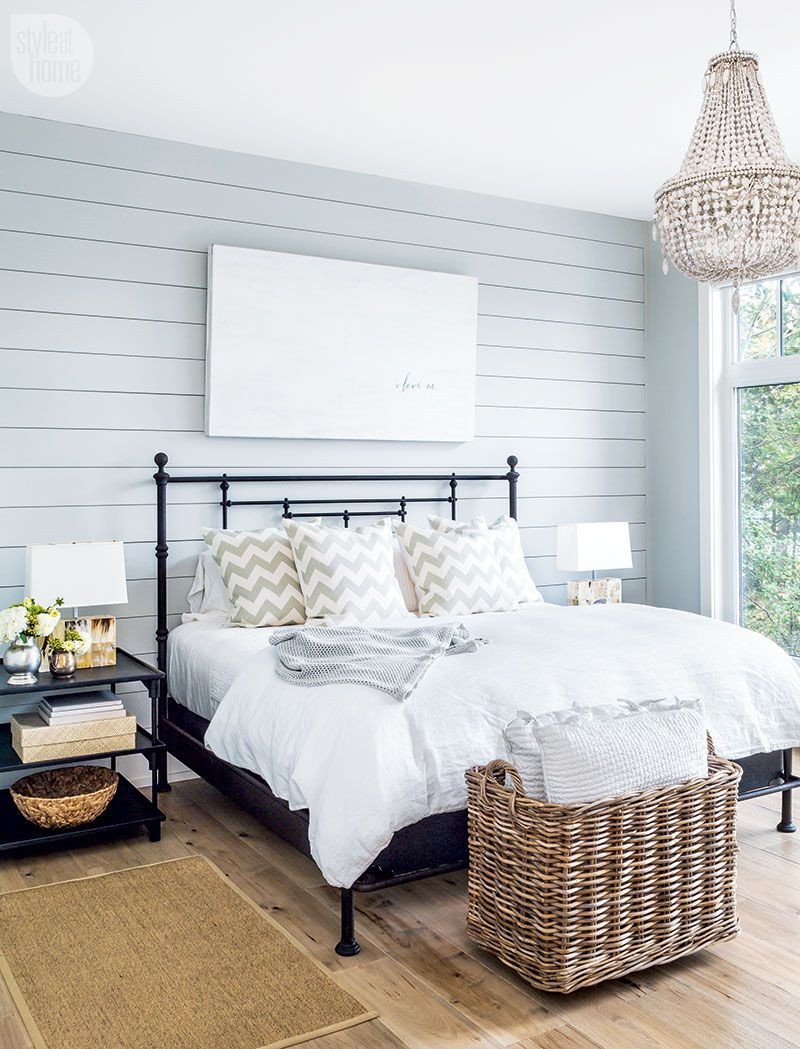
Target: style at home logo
<point x="51" y="54"/>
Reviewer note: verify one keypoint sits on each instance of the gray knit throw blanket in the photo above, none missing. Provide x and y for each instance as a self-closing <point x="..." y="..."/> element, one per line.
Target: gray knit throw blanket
<point x="391" y="659"/>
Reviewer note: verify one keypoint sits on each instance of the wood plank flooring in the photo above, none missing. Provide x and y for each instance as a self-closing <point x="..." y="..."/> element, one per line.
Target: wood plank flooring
<point x="433" y="988"/>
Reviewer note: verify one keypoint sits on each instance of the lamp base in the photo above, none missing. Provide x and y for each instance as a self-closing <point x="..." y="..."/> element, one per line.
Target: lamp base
<point x="103" y="633"/>
<point x="606" y="591"/>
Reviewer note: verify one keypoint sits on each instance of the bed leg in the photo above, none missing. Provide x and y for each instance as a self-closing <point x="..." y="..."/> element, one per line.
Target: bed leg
<point x="348" y="945"/>
<point x="786" y="825"/>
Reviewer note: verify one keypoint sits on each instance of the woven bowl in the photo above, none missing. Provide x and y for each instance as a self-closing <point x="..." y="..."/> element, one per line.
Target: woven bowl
<point x="65" y="797"/>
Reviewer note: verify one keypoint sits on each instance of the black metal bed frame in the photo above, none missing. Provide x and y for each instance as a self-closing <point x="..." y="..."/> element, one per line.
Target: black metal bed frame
<point x="434" y="845"/>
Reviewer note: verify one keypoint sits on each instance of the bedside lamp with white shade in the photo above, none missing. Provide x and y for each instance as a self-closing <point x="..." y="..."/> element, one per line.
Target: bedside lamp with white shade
<point x="592" y="547"/>
<point x="84" y="574"/>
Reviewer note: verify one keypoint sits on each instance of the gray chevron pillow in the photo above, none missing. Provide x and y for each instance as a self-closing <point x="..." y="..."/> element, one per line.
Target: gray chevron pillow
<point x="455" y="572"/>
<point x="260" y="576"/>
<point x="347" y="574"/>
<point x="508" y="550"/>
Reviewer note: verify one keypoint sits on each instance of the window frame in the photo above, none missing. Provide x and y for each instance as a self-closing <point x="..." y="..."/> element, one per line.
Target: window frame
<point x="722" y="375"/>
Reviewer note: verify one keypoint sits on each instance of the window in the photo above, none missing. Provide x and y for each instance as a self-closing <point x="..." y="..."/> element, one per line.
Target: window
<point x="756" y="427"/>
<point x="769" y="511"/>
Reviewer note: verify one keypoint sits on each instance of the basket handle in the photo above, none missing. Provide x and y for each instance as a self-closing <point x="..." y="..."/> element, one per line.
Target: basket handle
<point x="498" y="770"/>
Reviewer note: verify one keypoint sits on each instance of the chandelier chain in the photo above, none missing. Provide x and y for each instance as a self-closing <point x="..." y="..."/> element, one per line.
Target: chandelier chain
<point x="734" y="44"/>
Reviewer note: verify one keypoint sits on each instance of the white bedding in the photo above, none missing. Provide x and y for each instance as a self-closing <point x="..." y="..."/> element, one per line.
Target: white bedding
<point x="204" y="657"/>
<point x="365" y="765"/>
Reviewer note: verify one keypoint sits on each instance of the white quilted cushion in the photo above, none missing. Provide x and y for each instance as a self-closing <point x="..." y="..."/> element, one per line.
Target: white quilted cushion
<point x="524" y="750"/>
<point x="522" y="746"/>
<point x="585" y="761"/>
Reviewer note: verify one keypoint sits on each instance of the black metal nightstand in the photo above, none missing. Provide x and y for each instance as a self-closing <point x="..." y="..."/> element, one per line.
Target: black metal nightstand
<point x="129" y="807"/>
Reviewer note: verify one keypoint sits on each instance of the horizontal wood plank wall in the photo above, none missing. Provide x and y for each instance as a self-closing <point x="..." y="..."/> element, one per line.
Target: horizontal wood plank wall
<point x="103" y="241"/>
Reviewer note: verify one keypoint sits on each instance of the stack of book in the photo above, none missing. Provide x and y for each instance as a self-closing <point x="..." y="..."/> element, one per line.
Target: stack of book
<point x="72" y="727"/>
<point x="90" y="706"/>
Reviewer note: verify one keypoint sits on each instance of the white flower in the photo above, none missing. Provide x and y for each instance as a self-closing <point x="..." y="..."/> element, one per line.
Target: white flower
<point x="13" y="622"/>
<point x="46" y="623"/>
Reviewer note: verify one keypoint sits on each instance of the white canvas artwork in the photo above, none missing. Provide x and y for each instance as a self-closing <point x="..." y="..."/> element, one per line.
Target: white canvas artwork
<point x="299" y="346"/>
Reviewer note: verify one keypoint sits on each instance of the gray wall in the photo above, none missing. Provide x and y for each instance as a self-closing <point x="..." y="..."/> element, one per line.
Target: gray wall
<point x="673" y="477"/>
<point x="103" y="239"/>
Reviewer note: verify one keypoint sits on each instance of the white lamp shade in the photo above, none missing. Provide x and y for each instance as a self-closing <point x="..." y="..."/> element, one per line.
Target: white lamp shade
<point x="589" y="547"/>
<point x="82" y="573"/>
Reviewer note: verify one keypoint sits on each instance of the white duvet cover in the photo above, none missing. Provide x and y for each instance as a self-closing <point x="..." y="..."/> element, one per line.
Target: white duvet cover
<point x="365" y="765"/>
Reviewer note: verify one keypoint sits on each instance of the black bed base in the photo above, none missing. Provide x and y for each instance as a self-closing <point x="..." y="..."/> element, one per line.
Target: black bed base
<point x="435" y="845"/>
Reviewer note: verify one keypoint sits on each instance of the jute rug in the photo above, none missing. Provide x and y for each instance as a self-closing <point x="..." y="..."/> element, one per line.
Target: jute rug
<point x="170" y="956"/>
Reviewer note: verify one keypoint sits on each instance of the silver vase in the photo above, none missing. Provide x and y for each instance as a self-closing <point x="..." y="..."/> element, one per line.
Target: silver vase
<point x="62" y="664"/>
<point x="21" y="661"/>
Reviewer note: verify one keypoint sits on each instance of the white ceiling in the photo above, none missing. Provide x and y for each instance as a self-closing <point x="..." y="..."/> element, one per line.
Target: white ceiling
<point x="587" y="103"/>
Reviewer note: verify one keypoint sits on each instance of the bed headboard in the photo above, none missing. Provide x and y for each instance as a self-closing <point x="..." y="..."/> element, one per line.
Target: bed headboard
<point x="381" y="506"/>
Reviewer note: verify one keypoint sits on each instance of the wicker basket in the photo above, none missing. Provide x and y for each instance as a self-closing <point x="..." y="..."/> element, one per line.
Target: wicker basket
<point x="572" y="895"/>
<point x="65" y="797"/>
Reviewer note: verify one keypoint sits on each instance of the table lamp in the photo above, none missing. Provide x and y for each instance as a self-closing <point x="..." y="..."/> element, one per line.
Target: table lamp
<point x="83" y="574"/>
<point x="590" y="547"/>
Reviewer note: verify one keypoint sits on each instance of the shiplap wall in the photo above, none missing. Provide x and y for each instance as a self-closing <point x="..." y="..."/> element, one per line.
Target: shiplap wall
<point x="103" y="241"/>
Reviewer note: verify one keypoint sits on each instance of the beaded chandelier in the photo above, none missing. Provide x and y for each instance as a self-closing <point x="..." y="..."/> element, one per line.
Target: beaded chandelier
<point x="732" y="212"/>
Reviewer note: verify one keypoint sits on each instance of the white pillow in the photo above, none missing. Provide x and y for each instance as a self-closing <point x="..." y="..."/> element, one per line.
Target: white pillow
<point x="455" y="573"/>
<point x="588" y="760"/>
<point x="523" y="749"/>
<point x="347" y="574"/>
<point x="508" y="550"/>
<point x="403" y="576"/>
<point x="207" y="594"/>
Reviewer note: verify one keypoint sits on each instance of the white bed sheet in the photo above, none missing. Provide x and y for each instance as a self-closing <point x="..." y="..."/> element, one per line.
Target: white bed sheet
<point x="365" y="765"/>
<point x="204" y="656"/>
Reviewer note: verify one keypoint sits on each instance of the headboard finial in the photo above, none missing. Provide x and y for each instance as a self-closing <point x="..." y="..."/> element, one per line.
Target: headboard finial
<point x="512" y="477"/>
<point x="161" y="459"/>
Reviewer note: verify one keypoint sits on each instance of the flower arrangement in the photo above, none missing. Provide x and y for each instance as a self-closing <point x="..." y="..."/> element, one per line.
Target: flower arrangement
<point x="27" y="619"/>
<point x="73" y="641"/>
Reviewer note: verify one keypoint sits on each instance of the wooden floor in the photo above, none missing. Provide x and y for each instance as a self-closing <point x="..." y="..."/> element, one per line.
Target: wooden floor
<point x="433" y="988"/>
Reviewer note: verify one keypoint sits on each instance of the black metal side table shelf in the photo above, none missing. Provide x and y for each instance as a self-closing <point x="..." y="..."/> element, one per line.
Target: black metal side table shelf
<point x="129" y="808"/>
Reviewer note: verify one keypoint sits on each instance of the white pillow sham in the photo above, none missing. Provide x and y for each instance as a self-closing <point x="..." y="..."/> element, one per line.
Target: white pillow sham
<point x="207" y="594"/>
<point x="403" y="577"/>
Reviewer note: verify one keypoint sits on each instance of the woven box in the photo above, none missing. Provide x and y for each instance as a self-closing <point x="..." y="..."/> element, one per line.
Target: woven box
<point x="33" y="740"/>
<point x="571" y="895"/>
